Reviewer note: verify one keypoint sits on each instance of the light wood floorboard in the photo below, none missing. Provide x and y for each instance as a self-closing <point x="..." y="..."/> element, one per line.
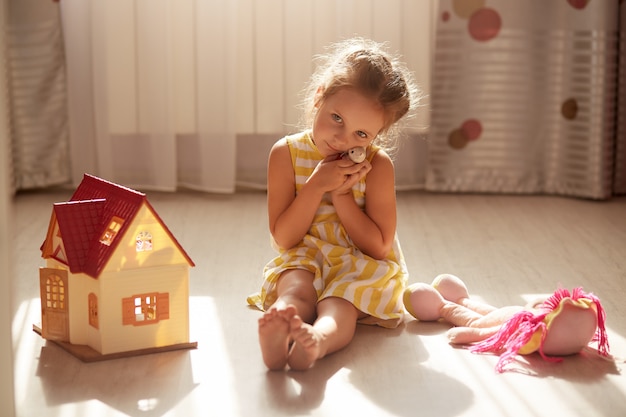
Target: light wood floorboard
<point x="506" y="248"/>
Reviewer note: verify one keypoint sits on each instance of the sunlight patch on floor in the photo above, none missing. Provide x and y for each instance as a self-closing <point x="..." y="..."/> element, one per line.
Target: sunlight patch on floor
<point x="25" y="348"/>
<point x="341" y="386"/>
<point x="211" y="358"/>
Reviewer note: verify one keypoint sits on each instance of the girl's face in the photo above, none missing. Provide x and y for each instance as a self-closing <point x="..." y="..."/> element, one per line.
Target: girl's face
<point x="345" y="120"/>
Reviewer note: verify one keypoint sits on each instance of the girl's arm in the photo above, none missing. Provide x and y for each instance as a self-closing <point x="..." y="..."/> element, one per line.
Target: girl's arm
<point x="374" y="229"/>
<point x="291" y="215"/>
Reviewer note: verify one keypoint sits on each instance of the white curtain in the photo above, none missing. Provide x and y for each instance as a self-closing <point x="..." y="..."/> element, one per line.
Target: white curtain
<point x="36" y="94"/>
<point x="525" y="98"/>
<point x="152" y="91"/>
<point x="161" y="94"/>
<point x="192" y="93"/>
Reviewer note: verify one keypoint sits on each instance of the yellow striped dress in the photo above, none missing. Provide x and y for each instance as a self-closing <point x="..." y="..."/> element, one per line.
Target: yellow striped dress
<point x="340" y="268"/>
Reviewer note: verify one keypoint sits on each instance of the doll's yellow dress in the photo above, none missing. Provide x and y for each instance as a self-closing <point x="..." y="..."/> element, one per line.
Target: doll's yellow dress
<point x="341" y="269"/>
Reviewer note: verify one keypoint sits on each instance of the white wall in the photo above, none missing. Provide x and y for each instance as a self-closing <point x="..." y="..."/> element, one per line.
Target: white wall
<point x="7" y="396"/>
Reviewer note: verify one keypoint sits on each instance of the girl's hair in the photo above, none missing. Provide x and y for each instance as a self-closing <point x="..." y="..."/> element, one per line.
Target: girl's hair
<point x="364" y="65"/>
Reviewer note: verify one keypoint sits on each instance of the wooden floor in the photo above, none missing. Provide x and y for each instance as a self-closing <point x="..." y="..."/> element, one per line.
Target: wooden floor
<point x="507" y="249"/>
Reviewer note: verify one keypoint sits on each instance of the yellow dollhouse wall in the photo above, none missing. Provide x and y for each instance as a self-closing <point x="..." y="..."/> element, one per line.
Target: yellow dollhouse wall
<point x="79" y="286"/>
<point x="163" y="249"/>
<point x="111" y="335"/>
<point x="117" y="337"/>
<point x="130" y="272"/>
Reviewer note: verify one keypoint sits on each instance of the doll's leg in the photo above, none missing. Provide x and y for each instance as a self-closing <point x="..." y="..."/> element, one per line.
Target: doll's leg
<point x="459" y="315"/>
<point x="496" y="317"/>
<point x="480" y="327"/>
<point x="332" y="331"/>
<point x="466" y="335"/>
<point x="452" y="288"/>
<point x="296" y="296"/>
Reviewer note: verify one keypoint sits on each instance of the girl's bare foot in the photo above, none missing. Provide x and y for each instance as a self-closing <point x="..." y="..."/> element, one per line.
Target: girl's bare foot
<point x="274" y="336"/>
<point x="306" y="348"/>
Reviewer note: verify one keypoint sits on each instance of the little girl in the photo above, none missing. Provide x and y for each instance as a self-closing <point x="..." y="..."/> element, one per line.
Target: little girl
<point x="333" y="221"/>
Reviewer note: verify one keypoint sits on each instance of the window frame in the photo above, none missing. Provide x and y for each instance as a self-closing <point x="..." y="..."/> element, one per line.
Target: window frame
<point x="160" y="302"/>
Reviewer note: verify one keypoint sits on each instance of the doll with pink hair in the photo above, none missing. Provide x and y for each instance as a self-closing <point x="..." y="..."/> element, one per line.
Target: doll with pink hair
<point x="561" y="325"/>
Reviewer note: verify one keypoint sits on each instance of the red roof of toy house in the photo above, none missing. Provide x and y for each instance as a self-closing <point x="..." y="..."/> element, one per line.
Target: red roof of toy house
<point x="86" y="216"/>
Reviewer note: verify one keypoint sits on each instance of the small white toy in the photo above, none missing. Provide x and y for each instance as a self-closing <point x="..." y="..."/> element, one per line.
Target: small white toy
<point x="356" y="155"/>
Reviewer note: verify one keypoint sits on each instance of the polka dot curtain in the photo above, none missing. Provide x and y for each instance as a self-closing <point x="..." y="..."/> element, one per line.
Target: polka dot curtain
<point x="525" y="98"/>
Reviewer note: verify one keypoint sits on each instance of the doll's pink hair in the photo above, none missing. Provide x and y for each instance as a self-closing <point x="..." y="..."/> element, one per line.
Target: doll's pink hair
<point x="519" y="329"/>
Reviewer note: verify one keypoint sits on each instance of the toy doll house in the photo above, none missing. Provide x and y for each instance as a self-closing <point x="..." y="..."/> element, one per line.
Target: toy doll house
<point x="116" y="281"/>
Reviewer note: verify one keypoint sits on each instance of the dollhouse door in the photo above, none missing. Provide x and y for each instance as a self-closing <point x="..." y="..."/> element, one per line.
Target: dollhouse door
<point x="54" y="304"/>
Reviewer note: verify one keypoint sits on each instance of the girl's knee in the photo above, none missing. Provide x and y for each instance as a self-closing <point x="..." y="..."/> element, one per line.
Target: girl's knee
<point x="295" y="287"/>
<point x="298" y="283"/>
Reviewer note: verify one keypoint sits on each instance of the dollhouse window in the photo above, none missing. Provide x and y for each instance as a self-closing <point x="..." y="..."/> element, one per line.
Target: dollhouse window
<point x="144" y="242"/>
<point x="145" y="308"/>
<point x="93" y="310"/>
<point x="111" y="231"/>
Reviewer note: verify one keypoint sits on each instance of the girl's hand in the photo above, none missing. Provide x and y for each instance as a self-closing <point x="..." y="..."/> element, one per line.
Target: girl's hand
<point x="337" y="175"/>
<point x="358" y="171"/>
